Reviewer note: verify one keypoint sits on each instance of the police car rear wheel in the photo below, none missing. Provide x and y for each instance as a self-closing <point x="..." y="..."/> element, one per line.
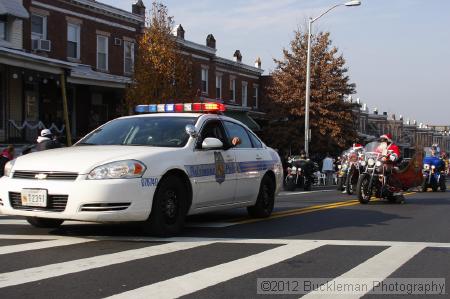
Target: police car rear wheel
<point x="44" y="222"/>
<point x="266" y="199"/>
<point x="169" y="208"/>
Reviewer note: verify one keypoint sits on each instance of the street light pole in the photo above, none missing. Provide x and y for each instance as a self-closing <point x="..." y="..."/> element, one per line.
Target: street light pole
<point x="308" y="70"/>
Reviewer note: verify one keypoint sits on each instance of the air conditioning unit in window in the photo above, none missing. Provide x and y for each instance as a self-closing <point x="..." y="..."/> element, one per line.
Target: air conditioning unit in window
<point x="117" y="42"/>
<point x="42" y="45"/>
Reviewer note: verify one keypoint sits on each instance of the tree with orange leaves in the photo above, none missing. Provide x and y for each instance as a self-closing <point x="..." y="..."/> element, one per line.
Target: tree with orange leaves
<point x="332" y="120"/>
<point x="161" y="72"/>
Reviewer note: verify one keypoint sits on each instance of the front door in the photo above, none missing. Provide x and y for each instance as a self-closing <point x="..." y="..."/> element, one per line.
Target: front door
<point x="214" y="171"/>
<point x="250" y="163"/>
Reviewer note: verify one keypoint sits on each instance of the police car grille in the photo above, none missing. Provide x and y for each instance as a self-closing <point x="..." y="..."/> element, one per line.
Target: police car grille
<point x="55" y="203"/>
<point x="31" y="175"/>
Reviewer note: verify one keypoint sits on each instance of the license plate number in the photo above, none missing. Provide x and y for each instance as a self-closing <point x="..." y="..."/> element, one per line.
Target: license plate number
<point x="34" y="197"/>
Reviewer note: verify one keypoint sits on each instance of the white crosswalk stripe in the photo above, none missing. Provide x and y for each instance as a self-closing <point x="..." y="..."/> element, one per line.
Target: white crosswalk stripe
<point x="54" y="270"/>
<point x="380" y="266"/>
<point x="189" y="283"/>
<point x="376" y="268"/>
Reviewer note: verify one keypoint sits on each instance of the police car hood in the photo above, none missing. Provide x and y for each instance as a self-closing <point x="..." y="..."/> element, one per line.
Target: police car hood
<point x="82" y="159"/>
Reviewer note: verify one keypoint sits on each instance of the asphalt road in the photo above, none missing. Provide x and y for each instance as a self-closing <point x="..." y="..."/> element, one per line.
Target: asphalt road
<point x="321" y="234"/>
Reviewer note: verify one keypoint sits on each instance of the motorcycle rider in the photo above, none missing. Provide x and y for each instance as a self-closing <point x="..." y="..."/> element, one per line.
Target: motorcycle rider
<point x="391" y="153"/>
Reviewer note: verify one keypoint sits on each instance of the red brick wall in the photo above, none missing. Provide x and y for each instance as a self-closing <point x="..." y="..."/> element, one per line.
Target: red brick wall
<point x="57" y="34"/>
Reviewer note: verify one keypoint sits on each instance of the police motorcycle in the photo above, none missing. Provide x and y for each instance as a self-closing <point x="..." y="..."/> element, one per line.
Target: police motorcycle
<point x="354" y="169"/>
<point x="342" y="171"/>
<point x="300" y="173"/>
<point x="434" y="171"/>
<point x="381" y="179"/>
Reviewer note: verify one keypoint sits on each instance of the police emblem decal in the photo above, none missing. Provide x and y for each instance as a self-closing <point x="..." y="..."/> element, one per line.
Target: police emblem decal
<point x="220" y="167"/>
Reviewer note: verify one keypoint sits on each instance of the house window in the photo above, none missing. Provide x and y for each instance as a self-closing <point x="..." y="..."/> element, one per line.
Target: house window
<point x="232" y="89"/>
<point x="218" y="86"/>
<point x="128" y="48"/>
<point x="205" y="80"/>
<point x="3" y="23"/>
<point x="255" y="96"/>
<point x="244" y="94"/>
<point x="102" y="52"/>
<point x="73" y="41"/>
<point x="38" y="27"/>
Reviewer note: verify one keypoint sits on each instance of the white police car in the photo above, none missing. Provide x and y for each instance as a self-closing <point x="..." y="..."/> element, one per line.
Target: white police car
<point x="177" y="160"/>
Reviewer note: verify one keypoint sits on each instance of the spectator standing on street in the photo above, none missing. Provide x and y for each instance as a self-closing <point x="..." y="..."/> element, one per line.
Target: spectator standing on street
<point x="7" y="155"/>
<point x="328" y="168"/>
<point x="46" y="141"/>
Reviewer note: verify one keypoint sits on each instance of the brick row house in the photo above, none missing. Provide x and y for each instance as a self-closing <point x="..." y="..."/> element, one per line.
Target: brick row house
<point x="90" y="43"/>
<point x="227" y="80"/>
<point x="94" y="45"/>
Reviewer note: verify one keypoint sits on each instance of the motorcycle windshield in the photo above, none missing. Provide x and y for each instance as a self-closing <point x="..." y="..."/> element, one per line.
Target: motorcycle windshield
<point x="374" y="149"/>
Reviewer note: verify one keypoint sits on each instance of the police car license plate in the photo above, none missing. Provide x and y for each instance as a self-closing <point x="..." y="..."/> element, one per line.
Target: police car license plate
<point x="34" y="197"/>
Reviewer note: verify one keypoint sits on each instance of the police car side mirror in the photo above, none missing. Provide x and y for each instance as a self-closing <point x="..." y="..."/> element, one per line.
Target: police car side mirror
<point x="212" y="143"/>
<point x="191" y="130"/>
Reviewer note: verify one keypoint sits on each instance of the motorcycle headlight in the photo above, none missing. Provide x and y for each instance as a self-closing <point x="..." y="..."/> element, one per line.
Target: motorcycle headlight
<point x="294" y="168"/>
<point x="363" y="163"/>
<point x="339" y="166"/>
<point x="426" y="166"/>
<point x="8" y="167"/>
<point x="433" y="167"/>
<point x="378" y="164"/>
<point x="371" y="162"/>
<point x="128" y="169"/>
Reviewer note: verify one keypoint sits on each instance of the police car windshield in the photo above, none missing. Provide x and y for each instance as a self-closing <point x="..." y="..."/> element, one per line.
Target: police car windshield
<point x="142" y="131"/>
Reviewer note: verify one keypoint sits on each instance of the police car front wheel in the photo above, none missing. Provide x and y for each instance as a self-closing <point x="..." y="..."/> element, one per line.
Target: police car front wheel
<point x="169" y="208"/>
<point x="266" y="199"/>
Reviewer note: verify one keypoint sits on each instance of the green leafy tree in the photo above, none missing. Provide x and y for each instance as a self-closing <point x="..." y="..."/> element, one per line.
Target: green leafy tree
<point x="332" y="120"/>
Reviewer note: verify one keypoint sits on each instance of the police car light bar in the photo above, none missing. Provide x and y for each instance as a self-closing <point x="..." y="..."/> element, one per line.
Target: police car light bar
<point x="180" y="108"/>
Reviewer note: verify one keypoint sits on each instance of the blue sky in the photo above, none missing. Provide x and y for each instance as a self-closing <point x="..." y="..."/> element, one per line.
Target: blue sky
<point x="397" y="51"/>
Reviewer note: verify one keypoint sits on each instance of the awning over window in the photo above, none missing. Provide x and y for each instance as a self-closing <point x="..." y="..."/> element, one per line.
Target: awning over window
<point x="13" y="8"/>
<point x="243" y="117"/>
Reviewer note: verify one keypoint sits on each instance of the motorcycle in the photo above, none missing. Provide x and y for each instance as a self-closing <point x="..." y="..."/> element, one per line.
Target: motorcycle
<point x="342" y="171"/>
<point x="300" y="173"/>
<point x="381" y="179"/>
<point x="354" y="169"/>
<point x="433" y="172"/>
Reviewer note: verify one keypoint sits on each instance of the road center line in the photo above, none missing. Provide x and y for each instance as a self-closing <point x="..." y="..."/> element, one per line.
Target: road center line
<point x="54" y="270"/>
<point x="195" y="281"/>
<point x="376" y="268"/>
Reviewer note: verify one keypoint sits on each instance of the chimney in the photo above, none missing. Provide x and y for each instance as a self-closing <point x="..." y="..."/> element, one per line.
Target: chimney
<point x="408" y="122"/>
<point x="415" y="122"/>
<point x="384" y="113"/>
<point x="237" y="56"/>
<point x="393" y="117"/>
<point x="179" y="31"/>
<point x="401" y="117"/>
<point x="138" y="8"/>
<point x="211" y="41"/>
<point x="364" y="107"/>
<point x="258" y="62"/>
<point x="358" y="101"/>
<point x="375" y="111"/>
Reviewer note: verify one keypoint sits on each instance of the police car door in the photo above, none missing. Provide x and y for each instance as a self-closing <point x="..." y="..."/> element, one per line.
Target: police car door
<point x="249" y="163"/>
<point x="213" y="171"/>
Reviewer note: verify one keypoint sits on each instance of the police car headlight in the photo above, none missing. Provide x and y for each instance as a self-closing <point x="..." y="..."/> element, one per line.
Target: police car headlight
<point x="371" y="162"/>
<point x="128" y="169"/>
<point x="8" y="167"/>
<point x="378" y="164"/>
